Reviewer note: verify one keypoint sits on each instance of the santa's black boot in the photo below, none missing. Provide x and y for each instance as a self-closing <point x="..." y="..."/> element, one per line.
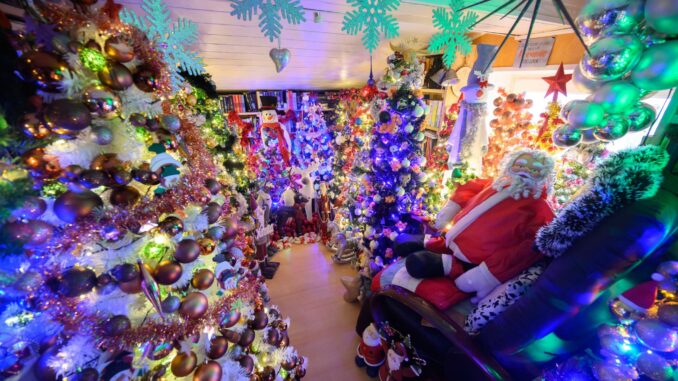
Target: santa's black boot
<point x="425" y="264"/>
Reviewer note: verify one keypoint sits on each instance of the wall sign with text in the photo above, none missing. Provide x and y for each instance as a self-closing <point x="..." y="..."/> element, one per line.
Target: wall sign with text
<point x="538" y="52"/>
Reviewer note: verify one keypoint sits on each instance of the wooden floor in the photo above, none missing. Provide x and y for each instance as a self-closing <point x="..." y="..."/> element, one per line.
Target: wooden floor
<point x="307" y="289"/>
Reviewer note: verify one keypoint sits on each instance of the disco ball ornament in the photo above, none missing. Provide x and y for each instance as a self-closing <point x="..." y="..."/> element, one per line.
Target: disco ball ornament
<point x="600" y="18"/>
<point x="641" y="117"/>
<point x="566" y="136"/>
<point x="613" y="128"/>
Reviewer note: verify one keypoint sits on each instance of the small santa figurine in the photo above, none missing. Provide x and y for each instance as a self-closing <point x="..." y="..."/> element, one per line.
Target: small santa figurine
<point x="272" y="127"/>
<point x="370" y="351"/>
<point x="490" y="237"/>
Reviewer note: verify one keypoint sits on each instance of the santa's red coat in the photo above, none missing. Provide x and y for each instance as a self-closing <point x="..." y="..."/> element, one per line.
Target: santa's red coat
<point x="491" y="230"/>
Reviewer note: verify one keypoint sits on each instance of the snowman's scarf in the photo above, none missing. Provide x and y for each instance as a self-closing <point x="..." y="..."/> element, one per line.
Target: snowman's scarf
<point x="619" y="180"/>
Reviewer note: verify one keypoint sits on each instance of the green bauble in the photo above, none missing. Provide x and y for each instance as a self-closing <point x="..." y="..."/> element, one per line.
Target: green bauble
<point x="613" y="128"/>
<point x="641" y="117"/>
<point x="611" y="57"/>
<point x="583" y="115"/>
<point x="617" y="96"/>
<point x="662" y="15"/>
<point x="658" y="67"/>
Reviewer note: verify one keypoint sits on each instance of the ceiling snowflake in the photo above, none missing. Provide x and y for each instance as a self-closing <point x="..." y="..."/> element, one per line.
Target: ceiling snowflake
<point x="173" y="40"/>
<point x="372" y="18"/>
<point x="270" y="14"/>
<point x="454" y="27"/>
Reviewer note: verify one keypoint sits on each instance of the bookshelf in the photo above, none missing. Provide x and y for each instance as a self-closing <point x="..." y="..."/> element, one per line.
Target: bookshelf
<point x="248" y="103"/>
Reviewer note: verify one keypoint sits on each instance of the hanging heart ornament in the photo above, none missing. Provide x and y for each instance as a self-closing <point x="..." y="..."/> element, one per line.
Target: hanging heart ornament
<point x="280" y="57"/>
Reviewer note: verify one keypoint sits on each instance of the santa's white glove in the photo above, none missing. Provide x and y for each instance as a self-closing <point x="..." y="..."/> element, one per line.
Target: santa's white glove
<point x="479" y="280"/>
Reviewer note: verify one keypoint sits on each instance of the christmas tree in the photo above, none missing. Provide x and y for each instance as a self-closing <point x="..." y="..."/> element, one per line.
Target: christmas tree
<point x="125" y="257"/>
<point x="510" y="129"/>
<point x="394" y="183"/>
<point x="312" y="142"/>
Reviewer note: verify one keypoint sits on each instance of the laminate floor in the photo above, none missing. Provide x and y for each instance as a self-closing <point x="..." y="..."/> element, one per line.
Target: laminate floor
<point x="322" y="328"/>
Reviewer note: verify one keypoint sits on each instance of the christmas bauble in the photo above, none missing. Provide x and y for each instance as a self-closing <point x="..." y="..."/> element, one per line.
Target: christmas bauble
<point x="213" y="212"/>
<point x="247" y="363"/>
<point x="124" y="196"/>
<point x="611" y="57"/>
<point x="119" y="50"/>
<point x="273" y="337"/>
<point x="202" y="279"/>
<point x="207" y="245"/>
<point x="584" y="115"/>
<point x="42" y="232"/>
<point x="65" y="116"/>
<point x="193" y="306"/>
<point x="77" y="281"/>
<point x="153" y="124"/>
<point x="167" y="272"/>
<point x="656" y="335"/>
<point x="612" y="128"/>
<point x="101" y="102"/>
<point x="213" y="186"/>
<point x="137" y="120"/>
<point x="102" y="135"/>
<point x="17" y="232"/>
<point x="668" y="314"/>
<point x="210" y="371"/>
<point x="267" y="374"/>
<point x="172" y="225"/>
<point x="229" y="319"/>
<point x="171" y="123"/>
<point x="384" y="117"/>
<point x="657" y="68"/>
<point x="187" y="251"/>
<point x="125" y="272"/>
<point x="654" y="366"/>
<point x="146" y="79"/>
<point x="91" y="178"/>
<point x="87" y="374"/>
<point x="640" y="117"/>
<point x="117" y="325"/>
<point x="218" y="347"/>
<point x="617" y="96"/>
<point x="145" y="176"/>
<point x="246" y="338"/>
<point x="34" y="126"/>
<point x="170" y="304"/>
<point x="118" y="177"/>
<point x="230" y="335"/>
<point x="599" y="18"/>
<point x="31" y="208"/>
<point x="662" y="16"/>
<point x="45" y="68"/>
<point x="566" y="136"/>
<point x="183" y="364"/>
<point x="71" y="206"/>
<point x="132" y="287"/>
<point x="260" y="320"/>
<point x="116" y="76"/>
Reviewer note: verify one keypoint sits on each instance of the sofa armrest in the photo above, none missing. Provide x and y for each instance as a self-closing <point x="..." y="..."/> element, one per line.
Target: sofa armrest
<point x="452" y="331"/>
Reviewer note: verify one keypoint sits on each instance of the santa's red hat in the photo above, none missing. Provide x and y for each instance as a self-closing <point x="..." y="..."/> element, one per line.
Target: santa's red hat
<point x="641" y="297"/>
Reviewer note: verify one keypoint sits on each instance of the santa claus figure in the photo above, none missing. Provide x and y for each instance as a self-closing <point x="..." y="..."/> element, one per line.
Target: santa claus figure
<point x="491" y="227"/>
<point x="370" y="351"/>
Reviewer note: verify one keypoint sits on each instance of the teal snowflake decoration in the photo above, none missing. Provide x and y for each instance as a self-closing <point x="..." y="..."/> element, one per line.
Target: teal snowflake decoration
<point x="373" y="19"/>
<point x="454" y="27"/>
<point x="270" y="14"/>
<point x="172" y="40"/>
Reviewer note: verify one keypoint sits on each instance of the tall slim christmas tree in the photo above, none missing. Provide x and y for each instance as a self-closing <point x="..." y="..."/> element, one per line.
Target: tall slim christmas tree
<point x="394" y="183"/>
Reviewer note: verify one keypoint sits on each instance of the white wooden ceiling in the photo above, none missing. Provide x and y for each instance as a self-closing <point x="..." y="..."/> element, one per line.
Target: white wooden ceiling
<point x="323" y="57"/>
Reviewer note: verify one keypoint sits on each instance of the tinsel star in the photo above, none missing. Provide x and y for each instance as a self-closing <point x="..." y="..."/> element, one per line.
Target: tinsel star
<point x="112" y="9"/>
<point x="557" y="83"/>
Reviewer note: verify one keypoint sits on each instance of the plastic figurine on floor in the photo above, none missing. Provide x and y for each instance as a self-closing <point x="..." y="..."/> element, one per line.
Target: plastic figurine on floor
<point x="370" y="351"/>
<point x="325" y="211"/>
<point x="468" y="260"/>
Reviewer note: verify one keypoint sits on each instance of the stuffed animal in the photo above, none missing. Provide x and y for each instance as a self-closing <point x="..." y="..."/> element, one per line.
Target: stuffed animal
<point x="307" y="189"/>
<point x="492" y="227"/>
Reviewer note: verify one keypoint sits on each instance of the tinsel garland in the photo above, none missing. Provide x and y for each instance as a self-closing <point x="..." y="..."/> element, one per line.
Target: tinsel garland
<point x="164" y="331"/>
<point x="64" y="17"/>
<point x="190" y="189"/>
<point x="66" y="312"/>
<point x="627" y="176"/>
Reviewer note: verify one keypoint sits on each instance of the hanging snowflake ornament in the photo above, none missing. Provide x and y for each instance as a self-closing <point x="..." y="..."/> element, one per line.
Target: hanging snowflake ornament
<point x="454" y="26"/>
<point x="172" y="40"/>
<point x="373" y="19"/>
<point x="270" y="12"/>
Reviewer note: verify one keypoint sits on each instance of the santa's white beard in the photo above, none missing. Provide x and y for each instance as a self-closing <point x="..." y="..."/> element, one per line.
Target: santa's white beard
<point x="519" y="186"/>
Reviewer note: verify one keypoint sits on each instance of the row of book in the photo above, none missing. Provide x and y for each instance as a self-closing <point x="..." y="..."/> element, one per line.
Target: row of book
<point x="250" y="101"/>
<point x="436" y="114"/>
